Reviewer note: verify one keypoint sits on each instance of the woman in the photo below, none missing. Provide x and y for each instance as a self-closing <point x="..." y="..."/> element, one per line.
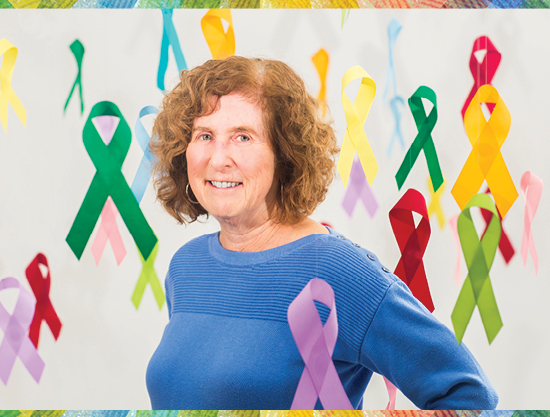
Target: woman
<point x="242" y="140"/>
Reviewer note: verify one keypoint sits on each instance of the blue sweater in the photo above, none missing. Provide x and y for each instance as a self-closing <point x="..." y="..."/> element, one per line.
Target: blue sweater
<point x="228" y="344"/>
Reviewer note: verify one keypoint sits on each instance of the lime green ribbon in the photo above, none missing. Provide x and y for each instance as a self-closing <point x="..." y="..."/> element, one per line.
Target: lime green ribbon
<point x="479" y="256"/>
<point x="148" y="276"/>
<point x="423" y="140"/>
<point x="78" y="51"/>
<point x="109" y="181"/>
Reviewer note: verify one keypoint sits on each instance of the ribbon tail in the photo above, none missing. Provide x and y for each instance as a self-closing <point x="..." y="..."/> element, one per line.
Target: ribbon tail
<point x="332" y="395"/>
<point x="163" y="61"/>
<point x="34" y="329"/>
<point x="70" y="95"/>
<point x="433" y="165"/>
<point x="139" y="290"/>
<point x="345" y="161"/>
<point x="141" y="180"/>
<point x="157" y="290"/>
<point x="488" y="310"/>
<point x="463" y="310"/>
<point x="31" y="359"/>
<point x="306" y="395"/>
<point x="501" y="185"/>
<point x="8" y="356"/>
<point x="392" y="393"/>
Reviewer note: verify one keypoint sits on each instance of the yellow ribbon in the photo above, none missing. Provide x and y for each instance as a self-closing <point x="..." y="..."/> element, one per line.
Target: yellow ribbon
<point x="435" y="205"/>
<point x="320" y="60"/>
<point x="485" y="162"/>
<point x="221" y="43"/>
<point x="7" y="95"/>
<point x="356" y="116"/>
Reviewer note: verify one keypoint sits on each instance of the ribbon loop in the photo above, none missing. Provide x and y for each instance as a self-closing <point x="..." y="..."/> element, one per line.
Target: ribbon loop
<point x="483" y="73"/>
<point x="316" y="343"/>
<point x="412" y="241"/>
<point x="148" y="276"/>
<point x="485" y="161"/>
<point x="78" y="51"/>
<point x="531" y="190"/>
<point x="394" y="27"/>
<point x="220" y="42"/>
<point x="423" y="140"/>
<point x="16" y="342"/>
<point x="7" y="95"/>
<point x="109" y="181"/>
<point x="479" y="256"/>
<point x="169" y="39"/>
<point x="356" y="116"/>
<point x="320" y="60"/>
<point x="44" y="310"/>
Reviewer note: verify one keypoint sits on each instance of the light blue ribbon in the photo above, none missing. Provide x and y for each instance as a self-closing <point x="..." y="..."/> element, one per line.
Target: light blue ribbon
<point x="169" y="38"/>
<point x="393" y="30"/>
<point x="143" y="175"/>
<point x="397" y="116"/>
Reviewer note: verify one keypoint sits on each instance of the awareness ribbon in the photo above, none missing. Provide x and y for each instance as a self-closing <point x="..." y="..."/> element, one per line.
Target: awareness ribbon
<point x="320" y="60"/>
<point x="109" y="181"/>
<point x="7" y="95"/>
<point x="394" y="27"/>
<point x="148" y="276"/>
<point x="479" y="256"/>
<point x="108" y="228"/>
<point x="356" y="116"/>
<point x="485" y="160"/>
<point x="44" y="310"/>
<point x="392" y="393"/>
<point x="169" y="38"/>
<point x="78" y="51"/>
<point x="454" y="228"/>
<point x="483" y="73"/>
<point x="16" y="342"/>
<point x="423" y="140"/>
<point x="531" y="190"/>
<point x="359" y="189"/>
<point x="395" y="104"/>
<point x="345" y="15"/>
<point x="412" y="241"/>
<point x="143" y="175"/>
<point x="108" y="231"/>
<point x="221" y="43"/>
<point x="435" y="205"/>
<point x="504" y="244"/>
<point x="316" y="343"/>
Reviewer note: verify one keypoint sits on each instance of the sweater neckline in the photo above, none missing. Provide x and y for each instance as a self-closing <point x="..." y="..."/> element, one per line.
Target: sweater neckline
<point x="251" y="258"/>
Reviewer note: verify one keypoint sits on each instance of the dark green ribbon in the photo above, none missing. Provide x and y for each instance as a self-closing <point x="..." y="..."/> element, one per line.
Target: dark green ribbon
<point x="479" y="256"/>
<point x="109" y="181"/>
<point x="423" y="140"/>
<point x="78" y="51"/>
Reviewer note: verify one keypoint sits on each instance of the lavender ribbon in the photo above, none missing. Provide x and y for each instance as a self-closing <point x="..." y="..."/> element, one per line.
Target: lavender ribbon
<point x="16" y="342"/>
<point x="316" y="345"/>
<point x="359" y="189"/>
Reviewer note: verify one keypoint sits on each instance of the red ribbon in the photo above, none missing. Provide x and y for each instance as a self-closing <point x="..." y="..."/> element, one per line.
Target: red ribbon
<point x="40" y="286"/>
<point x="412" y="243"/>
<point x="483" y="73"/>
<point x="504" y="245"/>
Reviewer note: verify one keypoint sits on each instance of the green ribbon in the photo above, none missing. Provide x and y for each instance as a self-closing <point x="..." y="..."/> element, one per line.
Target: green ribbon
<point x="479" y="256"/>
<point x="78" y="51"/>
<point x="423" y="140"/>
<point x="109" y="181"/>
<point x="148" y="275"/>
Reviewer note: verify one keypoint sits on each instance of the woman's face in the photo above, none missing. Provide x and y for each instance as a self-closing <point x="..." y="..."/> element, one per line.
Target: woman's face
<point x="230" y="162"/>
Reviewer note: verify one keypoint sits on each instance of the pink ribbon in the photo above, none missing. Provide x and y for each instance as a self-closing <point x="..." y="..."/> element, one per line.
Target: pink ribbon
<point x="359" y="189"/>
<point x="316" y="343"/>
<point x="108" y="228"/>
<point x="392" y="392"/>
<point x="454" y="227"/>
<point x="531" y="190"/>
<point x="15" y="326"/>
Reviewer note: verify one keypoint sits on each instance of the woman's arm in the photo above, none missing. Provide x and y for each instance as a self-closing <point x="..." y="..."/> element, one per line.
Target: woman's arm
<point x="422" y="357"/>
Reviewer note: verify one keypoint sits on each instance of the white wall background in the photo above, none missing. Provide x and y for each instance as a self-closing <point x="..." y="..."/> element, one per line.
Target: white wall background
<point x="100" y="358"/>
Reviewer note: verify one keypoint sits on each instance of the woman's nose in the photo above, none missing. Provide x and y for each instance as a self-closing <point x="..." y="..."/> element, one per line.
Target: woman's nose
<point x="221" y="157"/>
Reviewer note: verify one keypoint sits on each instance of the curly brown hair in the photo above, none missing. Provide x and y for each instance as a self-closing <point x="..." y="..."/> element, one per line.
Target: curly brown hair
<point x="303" y="142"/>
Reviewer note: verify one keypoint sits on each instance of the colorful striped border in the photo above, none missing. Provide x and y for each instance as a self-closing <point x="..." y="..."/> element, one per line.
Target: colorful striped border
<point x="275" y="4"/>
<point x="273" y="413"/>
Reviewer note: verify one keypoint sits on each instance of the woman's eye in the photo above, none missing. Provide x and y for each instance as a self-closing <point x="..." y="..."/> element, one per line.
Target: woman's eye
<point x="243" y="138"/>
<point x="205" y="137"/>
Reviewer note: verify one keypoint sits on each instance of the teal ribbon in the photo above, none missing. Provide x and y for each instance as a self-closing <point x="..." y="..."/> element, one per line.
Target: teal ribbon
<point x="169" y="38"/>
<point x="394" y="28"/>
<point x="109" y="181"/>
<point x="78" y="51"/>
<point x="423" y="140"/>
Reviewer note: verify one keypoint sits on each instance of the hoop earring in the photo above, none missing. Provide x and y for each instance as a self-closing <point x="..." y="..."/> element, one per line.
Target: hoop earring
<point x="188" y="197"/>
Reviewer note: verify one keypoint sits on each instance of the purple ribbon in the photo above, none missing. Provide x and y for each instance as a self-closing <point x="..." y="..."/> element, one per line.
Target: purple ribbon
<point x="16" y="342"/>
<point x="359" y="189"/>
<point x="316" y="345"/>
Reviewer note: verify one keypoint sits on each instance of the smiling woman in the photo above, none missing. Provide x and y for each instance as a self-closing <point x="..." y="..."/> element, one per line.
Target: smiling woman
<point x="242" y="140"/>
